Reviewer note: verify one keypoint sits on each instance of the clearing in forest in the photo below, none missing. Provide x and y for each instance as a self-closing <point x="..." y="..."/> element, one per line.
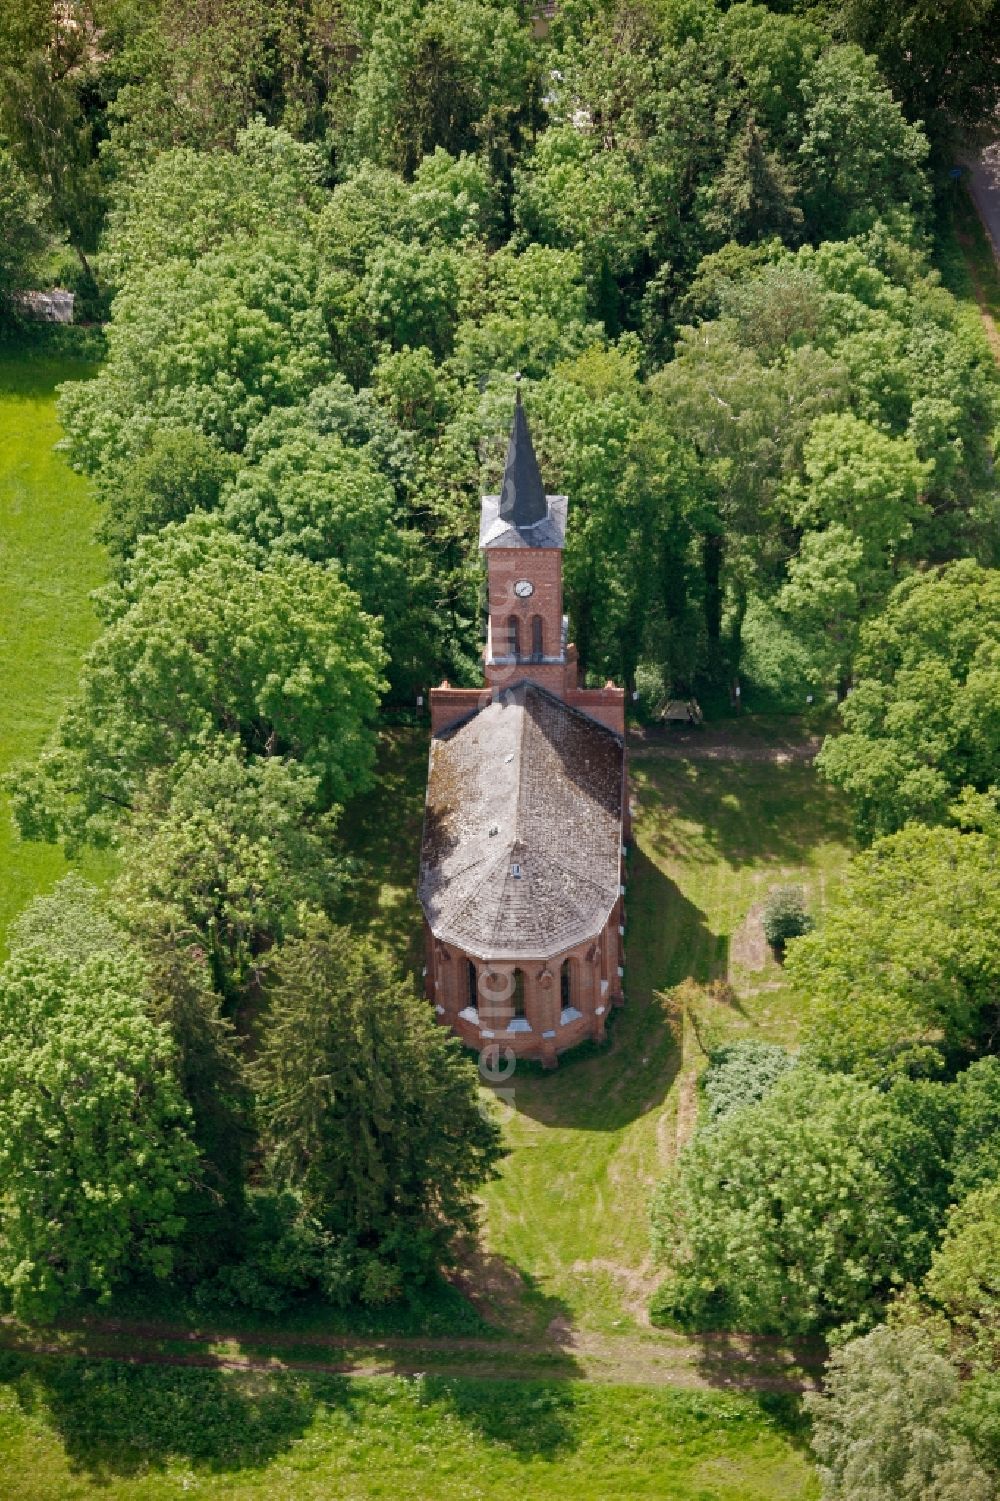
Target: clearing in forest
<point x="719" y="821"/>
<point x="50" y="564"/>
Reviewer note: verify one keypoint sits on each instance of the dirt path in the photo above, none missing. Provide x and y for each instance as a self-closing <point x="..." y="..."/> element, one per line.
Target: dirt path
<point x="984" y="190"/>
<point x="719" y="1361"/>
<point x="719" y="743"/>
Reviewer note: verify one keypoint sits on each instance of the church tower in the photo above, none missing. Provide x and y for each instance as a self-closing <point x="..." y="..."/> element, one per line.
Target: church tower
<point x="522" y="531"/>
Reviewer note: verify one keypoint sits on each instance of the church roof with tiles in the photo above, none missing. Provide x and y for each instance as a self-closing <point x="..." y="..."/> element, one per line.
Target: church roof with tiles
<point x="522" y="830"/>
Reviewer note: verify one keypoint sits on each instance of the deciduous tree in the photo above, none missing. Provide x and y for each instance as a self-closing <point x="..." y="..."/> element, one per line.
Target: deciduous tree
<point x="922" y="721"/>
<point x="210" y="639"/>
<point x="902" y="969"/>
<point x="883" y="1429"/>
<point x="803" y="1211"/>
<point x="23" y="232"/>
<point x="221" y="856"/>
<point x="95" y="1151"/>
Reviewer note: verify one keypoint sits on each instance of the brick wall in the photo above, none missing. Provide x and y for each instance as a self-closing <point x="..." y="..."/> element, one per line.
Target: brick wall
<point x="449" y="705"/>
<point x="606" y="705"/>
<point x="543" y="566"/>
<point x="550" y="675"/>
<point x="595" y="987"/>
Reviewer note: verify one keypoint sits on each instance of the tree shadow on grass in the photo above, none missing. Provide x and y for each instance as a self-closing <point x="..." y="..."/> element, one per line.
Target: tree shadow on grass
<point x="747" y="813"/>
<point x="533" y="1419"/>
<point x="668" y="939"/>
<point x="382" y="828"/>
<point x="118" y="1419"/>
<point x="778" y="1364"/>
<point x="511" y="1301"/>
<point x="35" y="360"/>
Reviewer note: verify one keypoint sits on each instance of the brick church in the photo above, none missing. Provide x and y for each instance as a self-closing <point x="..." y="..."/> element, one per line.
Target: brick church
<point x="521" y="860"/>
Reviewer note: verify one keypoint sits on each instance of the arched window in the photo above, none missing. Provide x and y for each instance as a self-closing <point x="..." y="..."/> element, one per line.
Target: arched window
<point x="473" y="984"/>
<point x="537" y="642"/>
<point x="513" y="636"/>
<point x="517" y="999"/>
<point x="566" y="984"/>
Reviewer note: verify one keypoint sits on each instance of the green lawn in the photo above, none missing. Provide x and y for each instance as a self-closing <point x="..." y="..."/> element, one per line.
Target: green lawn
<point x="589" y="1143"/>
<point x="49" y="565"/>
<point x="77" y="1429"/>
<point x="567" y="1232"/>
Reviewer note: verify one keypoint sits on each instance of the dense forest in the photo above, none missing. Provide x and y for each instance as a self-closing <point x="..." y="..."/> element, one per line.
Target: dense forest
<point x="315" y="241"/>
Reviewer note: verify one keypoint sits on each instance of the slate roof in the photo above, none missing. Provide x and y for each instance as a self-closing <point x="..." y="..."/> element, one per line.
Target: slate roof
<point x="526" y="782"/>
<point x="522" y="515"/>
<point x="522" y="496"/>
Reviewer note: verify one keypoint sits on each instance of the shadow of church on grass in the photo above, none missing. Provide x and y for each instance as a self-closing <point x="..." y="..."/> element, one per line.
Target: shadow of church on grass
<point x="605" y="1087"/>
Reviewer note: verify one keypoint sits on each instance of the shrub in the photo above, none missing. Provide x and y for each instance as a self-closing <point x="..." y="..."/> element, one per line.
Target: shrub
<point x="741" y="1073"/>
<point x="785" y="916"/>
<point x="284" y="1253"/>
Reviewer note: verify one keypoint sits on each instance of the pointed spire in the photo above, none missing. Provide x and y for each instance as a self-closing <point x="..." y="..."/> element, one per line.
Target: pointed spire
<point x="522" y="499"/>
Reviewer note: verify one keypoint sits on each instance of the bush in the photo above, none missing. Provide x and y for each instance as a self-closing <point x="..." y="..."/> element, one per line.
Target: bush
<point x="785" y="916"/>
<point x="678" y="1303"/>
<point x="652" y="693"/>
<point x="284" y="1253"/>
<point x="884" y="1429"/>
<point x="741" y="1073"/>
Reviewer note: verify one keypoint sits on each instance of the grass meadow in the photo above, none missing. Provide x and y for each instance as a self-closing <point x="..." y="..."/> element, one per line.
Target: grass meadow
<point x="80" y="1429"/>
<point x="566" y="1227"/>
<point x="49" y="564"/>
<point x="565" y="1240"/>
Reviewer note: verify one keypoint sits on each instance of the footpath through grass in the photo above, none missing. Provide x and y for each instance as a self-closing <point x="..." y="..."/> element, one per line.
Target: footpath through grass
<point x="79" y="1429"/>
<point x="565" y="1248"/>
<point x="49" y="565"/>
<point x="566" y="1223"/>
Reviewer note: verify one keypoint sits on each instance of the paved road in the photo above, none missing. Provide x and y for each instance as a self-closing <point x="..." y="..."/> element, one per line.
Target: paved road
<point x="984" y="183"/>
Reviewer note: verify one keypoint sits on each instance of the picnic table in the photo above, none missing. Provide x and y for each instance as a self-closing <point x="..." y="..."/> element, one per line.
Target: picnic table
<point x="682" y="711"/>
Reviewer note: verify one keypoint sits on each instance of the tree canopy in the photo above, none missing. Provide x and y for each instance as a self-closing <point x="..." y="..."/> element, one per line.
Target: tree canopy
<point x="922" y="722"/>
<point x="210" y="640"/>
<point x="95" y="1151"/>
<point x="901" y="971"/>
<point x="222" y="854"/>
<point x="368" y="1108"/>
<point x="801" y="1211"/>
<point x="884" y="1427"/>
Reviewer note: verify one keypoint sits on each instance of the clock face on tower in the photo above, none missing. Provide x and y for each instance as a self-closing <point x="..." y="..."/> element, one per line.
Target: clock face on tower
<point x="524" y="588"/>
